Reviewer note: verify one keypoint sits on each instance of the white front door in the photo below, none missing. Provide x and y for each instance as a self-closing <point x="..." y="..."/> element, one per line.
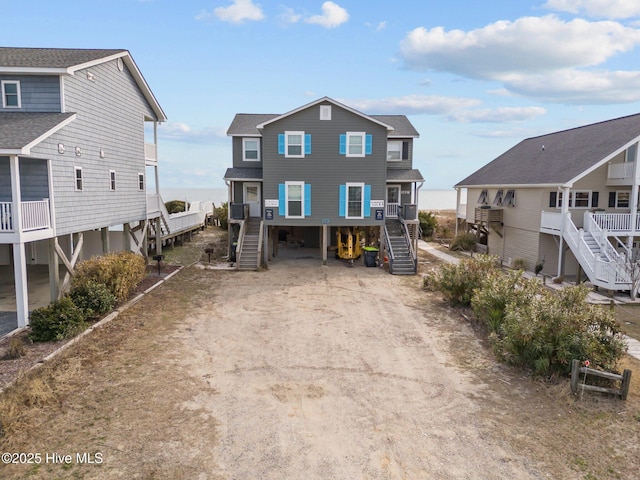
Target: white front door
<point x="393" y="200"/>
<point x="252" y="198"/>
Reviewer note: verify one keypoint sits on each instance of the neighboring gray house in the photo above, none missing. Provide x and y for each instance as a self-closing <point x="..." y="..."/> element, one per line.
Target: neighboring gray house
<point x="305" y="175"/>
<point x="568" y="199"/>
<point x="77" y="138"/>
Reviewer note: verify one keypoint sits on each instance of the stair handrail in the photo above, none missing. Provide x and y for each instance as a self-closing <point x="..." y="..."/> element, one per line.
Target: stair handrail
<point x="387" y="242"/>
<point x="407" y="237"/>
<point x="241" y="234"/>
<point x="600" y="235"/>
<point x="260" y="234"/>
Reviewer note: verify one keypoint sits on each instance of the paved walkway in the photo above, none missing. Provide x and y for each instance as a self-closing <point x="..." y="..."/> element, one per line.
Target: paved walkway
<point x="594" y="297"/>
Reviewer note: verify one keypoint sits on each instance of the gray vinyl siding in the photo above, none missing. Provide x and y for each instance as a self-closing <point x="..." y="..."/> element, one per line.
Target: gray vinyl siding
<point x="238" y="161"/>
<point x="37" y="93"/>
<point x="5" y="180"/>
<point x="325" y="169"/>
<point x="110" y="116"/>
<point x="403" y="164"/>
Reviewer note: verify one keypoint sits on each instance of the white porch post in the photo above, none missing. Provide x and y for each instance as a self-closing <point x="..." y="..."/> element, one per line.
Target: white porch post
<point x="457" y="209"/>
<point x="20" y="275"/>
<point x="565" y="211"/>
<point x="325" y="245"/>
<point x="633" y="201"/>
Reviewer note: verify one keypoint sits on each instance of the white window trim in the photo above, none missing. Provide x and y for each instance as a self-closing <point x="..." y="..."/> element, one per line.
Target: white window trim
<point x="628" y="198"/>
<point x="244" y="149"/>
<point x="346" y="199"/>
<point x="112" y="180"/>
<point x="363" y="135"/>
<point x="286" y="144"/>
<point x="325" y="112"/>
<point x="394" y="143"/>
<point x="4" y="95"/>
<point x="572" y="199"/>
<point x="75" y="179"/>
<point x="141" y="182"/>
<point x="286" y="199"/>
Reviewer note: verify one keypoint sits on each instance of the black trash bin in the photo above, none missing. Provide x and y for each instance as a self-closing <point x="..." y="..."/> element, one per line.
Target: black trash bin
<point x="370" y="254"/>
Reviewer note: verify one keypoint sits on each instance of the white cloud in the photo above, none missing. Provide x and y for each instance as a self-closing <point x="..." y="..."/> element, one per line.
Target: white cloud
<point x="412" y="104"/>
<point x="579" y="87"/>
<point x="498" y="115"/>
<point x="529" y="44"/>
<point x="597" y="8"/>
<point x="181" y="132"/>
<point x="289" y="15"/>
<point x="237" y="12"/>
<point x="332" y="16"/>
<point x="377" y="27"/>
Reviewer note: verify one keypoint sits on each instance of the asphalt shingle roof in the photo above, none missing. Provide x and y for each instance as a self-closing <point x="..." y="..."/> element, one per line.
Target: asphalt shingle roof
<point x="19" y="129"/>
<point x="401" y="175"/>
<point x="559" y="157"/>
<point x="243" y="174"/>
<point x="51" y="57"/>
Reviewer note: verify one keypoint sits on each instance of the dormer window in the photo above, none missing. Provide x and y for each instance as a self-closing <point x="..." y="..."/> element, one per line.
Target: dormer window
<point x="11" y="94"/>
<point x="251" y="149"/>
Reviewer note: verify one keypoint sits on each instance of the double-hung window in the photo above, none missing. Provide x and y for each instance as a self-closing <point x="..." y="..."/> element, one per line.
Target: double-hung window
<point x="622" y="199"/>
<point x="294" y="199"/>
<point x="251" y="149"/>
<point x="141" y="181"/>
<point x="78" y="178"/>
<point x="394" y="151"/>
<point x="355" y="144"/>
<point x="112" y="180"/>
<point x="355" y="200"/>
<point x="294" y="144"/>
<point x="11" y="94"/>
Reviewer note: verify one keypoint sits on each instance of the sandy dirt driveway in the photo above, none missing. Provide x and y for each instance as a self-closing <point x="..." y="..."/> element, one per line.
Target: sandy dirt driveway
<point x="329" y="372"/>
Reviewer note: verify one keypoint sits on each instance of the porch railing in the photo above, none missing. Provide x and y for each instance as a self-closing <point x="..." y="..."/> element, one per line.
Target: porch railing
<point x="36" y="215"/>
<point x="151" y="152"/>
<point x="616" y="222"/>
<point x="620" y="171"/>
<point x="392" y="210"/>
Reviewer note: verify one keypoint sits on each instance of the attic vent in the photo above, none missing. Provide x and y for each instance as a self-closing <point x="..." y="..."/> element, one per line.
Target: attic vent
<point x="325" y="112"/>
<point x="120" y="64"/>
<point x="91" y="77"/>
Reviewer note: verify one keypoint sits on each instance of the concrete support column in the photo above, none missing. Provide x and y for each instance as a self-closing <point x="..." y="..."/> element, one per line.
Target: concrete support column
<point x="158" y="236"/>
<point x="54" y="271"/>
<point x="104" y="234"/>
<point x="20" y="275"/>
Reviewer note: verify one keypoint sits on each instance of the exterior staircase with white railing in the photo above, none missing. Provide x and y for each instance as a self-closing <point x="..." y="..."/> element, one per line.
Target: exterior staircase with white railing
<point x="602" y="263"/>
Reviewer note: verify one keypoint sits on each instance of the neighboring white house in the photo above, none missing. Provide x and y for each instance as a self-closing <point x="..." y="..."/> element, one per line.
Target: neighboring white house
<point x="77" y="141"/>
<point x="568" y="199"/>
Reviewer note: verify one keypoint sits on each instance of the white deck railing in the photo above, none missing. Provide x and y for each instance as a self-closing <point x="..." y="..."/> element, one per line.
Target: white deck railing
<point x="35" y="216"/>
<point x="551" y="222"/>
<point x="621" y="171"/>
<point x="616" y="222"/>
<point x="392" y="210"/>
<point x="151" y="152"/>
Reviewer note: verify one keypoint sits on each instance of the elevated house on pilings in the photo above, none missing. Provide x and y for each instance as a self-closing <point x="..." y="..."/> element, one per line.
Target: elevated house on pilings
<point x="566" y="201"/>
<point x="77" y="141"/>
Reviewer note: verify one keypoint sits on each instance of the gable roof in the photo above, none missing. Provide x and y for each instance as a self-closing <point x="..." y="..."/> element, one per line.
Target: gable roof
<point x="324" y="100"/>
<point x="559" y="158"/>
<point x="19" y="131"/>
<point x="67" y="61"/>
<point x="245" y="124"/>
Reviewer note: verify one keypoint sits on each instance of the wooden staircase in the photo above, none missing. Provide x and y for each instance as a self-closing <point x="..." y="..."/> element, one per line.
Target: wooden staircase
<point x="401" y="261"/>
<point x="248" y="256"/>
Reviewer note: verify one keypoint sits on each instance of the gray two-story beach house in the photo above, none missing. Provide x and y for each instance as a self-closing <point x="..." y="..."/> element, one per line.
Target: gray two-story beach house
<point x="77" y="138"/>
<point x="317" y="174"/>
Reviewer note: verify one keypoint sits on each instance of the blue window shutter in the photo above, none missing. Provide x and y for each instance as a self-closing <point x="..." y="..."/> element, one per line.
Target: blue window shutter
<point x="342" y="211"/>
<point x="367" y="200"/>
<point x="307" y="199"/>
<point x="282" y="198"/>
<point x="368" y="142"/>
<point x="343" y="144"/>
<point x="307" y="144"/>
<point x="281" y="144"/>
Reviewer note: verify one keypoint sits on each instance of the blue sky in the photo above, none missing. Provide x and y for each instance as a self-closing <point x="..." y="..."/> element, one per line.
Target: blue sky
<point x="474" y="77"/>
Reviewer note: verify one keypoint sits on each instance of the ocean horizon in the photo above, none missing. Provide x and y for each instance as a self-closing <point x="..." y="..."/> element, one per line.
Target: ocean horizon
<point x="428" y="199"/>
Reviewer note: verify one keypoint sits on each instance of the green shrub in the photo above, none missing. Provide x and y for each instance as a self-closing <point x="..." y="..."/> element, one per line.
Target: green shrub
<point x="520" y="264"/>
<point x="93" y="297"/>
<point x="61" y="319"/>
<point x="176" y="206"/>
<point x="457" y="282"/>
<point x="222" y="212"/>
<point x="550" y="329"/>
<point x="120" y="272"/>
<point x="428" y="223"/>
<point x="464" y="241"/>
